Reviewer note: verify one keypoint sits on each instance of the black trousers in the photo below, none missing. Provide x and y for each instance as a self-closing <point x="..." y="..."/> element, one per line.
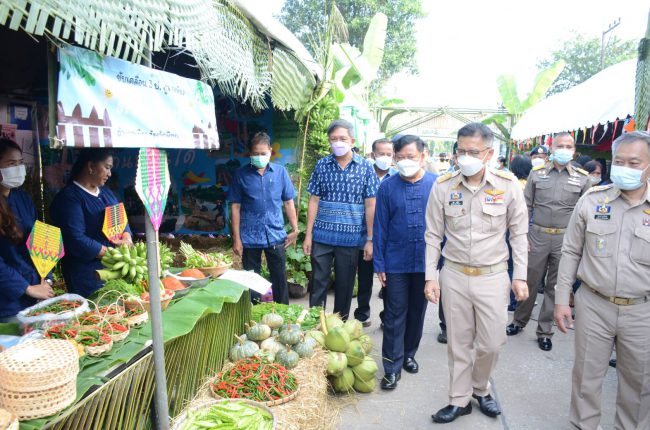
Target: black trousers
<point x="365" y="272"/>
<point x="404" y="310"/>
<point x="276" y="263"/>
<point x="345" y="270"/>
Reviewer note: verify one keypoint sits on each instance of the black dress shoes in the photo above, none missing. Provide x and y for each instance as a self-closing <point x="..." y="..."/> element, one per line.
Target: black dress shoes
<point x="410" y="365"/>
<point x="442" y="336"/>
<point x="545" y="343"/>
<point x="612" y="362"/>
<point x="488" y="405"/>
<point x="450" y="413"/>
<point x="513" y="329"/>
<point x="389" y="381"/>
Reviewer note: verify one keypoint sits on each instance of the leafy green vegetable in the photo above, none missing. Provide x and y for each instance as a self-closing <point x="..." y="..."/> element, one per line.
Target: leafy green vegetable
<point x="229" y="415"/>
<point x="195" y="259"/>
<point x="115" y="288"/>
<point x="290" y="313"/>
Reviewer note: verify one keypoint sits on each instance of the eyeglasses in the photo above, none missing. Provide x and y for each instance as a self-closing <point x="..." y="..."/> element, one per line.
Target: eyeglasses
<point x="474" y="152"/>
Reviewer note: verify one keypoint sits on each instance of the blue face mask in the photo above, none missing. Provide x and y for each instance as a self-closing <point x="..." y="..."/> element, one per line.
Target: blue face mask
<point x="626" y="178"/>
<point x="260" y="161"/>
<point x="563" y="156"/>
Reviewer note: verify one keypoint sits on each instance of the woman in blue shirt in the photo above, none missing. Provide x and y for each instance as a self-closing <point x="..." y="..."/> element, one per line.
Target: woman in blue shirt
<point x="20" y="283"/>
<point x="399" y="250"/>
<point x="78" y="209"/>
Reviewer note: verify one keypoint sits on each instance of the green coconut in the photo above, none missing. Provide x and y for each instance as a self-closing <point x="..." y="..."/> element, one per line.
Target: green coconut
<point x="344" y="382"/>
<point x="337" y="339"/>
<point x="333" y="320"/>
<point x="364" y="386"/>
<point x="337" y="362"/>
<point x="354" y="328"/>
<point x="366" y="370"/>
<point x="355" y="353"/>
<point x="317" y="335"/>
<point x="366" y="343"/>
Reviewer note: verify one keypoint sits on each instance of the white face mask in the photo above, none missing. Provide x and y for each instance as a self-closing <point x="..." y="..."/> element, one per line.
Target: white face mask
<point x="536" y="162"/>
<point x="408" y="168"/>
<point x="383" y="162"/>
<point x="469" y="166"/>
<point x="595" y="179"/>
<point x="13" y="177"/>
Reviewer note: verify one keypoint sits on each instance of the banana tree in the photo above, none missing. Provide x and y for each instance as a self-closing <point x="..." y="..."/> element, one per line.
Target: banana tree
<point x="515" y="106"/>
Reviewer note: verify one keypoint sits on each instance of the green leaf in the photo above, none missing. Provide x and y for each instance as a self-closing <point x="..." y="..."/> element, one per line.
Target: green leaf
<point x="543" y="81"/>
<point x="508" y="90"/>
<point x="497" y="118"/>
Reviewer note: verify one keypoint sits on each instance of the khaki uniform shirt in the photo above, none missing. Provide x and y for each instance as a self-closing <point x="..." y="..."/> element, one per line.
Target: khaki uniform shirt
<point x="607" y="244"/>
<point x="551" y="194"/>
<point x="475" y="222"/>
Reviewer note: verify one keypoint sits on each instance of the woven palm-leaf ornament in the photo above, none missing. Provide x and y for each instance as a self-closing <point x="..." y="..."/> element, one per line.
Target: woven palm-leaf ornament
<point x="642" y="96"/>
<point x="152" y="182"/>
<point x="45" y="246"/>
<point x="115" y="222"/>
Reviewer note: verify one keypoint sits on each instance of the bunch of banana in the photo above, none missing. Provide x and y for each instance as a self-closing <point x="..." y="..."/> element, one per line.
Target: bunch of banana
<point x="129" y="263"/>
<point x="166" y="257"/>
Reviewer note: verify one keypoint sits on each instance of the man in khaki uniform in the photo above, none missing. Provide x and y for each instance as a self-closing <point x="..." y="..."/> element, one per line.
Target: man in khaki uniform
<point x="551" y="192"/>
<point x="473" y="207"/>
<point x="607" y="245"/>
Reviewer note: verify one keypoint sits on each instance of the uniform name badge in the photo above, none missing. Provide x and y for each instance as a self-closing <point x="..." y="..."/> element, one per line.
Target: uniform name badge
<point x="456" y="199"/>
<point x="646" y="222"/>
<point x="494" y="197"/>
<point x="603" y="212"/>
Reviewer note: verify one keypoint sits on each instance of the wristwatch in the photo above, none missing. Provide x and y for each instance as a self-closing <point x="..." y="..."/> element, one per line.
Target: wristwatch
<point x="368" y="238"/>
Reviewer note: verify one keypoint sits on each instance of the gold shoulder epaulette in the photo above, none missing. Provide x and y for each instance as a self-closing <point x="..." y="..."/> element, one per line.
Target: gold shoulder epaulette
<point x="539" y="167"/>
<point x="599" y="188"/>
<point x="504" y="175"/>
<point x="583" y="171"/>
<point x="445" y="177"/>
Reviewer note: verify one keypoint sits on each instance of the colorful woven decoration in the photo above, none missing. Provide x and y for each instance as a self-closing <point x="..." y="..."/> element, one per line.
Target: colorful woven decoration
<point x="115" y="222"/>
<point x="152" y="183"/>
<point x="45" y="246"/>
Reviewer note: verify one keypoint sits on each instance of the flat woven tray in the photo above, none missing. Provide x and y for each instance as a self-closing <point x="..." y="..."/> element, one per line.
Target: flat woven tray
<point x="137" y="320"/>
<point x="38" y="365"/>
<point x="269" y="403"/>
<point x="38" y="404"/>
<point x="179" y="422"/>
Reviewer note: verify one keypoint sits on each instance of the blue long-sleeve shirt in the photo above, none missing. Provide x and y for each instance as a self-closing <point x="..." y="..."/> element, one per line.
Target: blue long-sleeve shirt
<point x="17" y="271"/>
<point x="261" y="198"/>
<point x="398" y="228"/>
<point x="80" y="215"/>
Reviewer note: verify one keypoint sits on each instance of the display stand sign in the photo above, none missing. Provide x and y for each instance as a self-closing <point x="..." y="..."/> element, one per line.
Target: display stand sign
<point x="115" y="222"/>
<point x="249" y="279"/>
<point x="106" y="102"/>
<point x="45" y="246"/>
<point x="152" y="183"/>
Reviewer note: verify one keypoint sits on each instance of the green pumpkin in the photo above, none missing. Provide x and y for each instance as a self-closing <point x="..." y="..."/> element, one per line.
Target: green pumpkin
<point x="242" y="349"/>
<point x="287" y="358"/>
<point x="290" y="336"/>
<point x="272" y="319"/>
<point x="285" y="327"/>
<point x="271" y="345"/>
<point x="304" y="349"/>
<point x="258" y="332"/>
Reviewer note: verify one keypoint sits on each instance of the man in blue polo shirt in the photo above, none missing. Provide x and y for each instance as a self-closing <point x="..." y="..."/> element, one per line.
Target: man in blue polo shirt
<point x="342" y="187"/>
<point x="257" y="193"/>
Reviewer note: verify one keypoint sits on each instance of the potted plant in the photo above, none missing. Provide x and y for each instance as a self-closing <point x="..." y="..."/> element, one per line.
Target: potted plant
<point x="298" y="272"/>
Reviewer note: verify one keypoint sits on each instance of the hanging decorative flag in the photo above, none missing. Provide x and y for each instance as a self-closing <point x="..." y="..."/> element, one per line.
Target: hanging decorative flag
<point x="593" y="134"/>
<point x="152" y="182"/>
<point x="629" y="125"/>
<point x="614" y="130"/>
<point x="114" y="222"/>
<point x="45" y="246"/>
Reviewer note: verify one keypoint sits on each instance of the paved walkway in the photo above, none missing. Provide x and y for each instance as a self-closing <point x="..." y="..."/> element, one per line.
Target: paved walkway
<point x="532" y="386"/>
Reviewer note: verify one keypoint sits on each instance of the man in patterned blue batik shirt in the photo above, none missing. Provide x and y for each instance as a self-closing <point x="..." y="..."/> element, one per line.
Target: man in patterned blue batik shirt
<point x="258" y="192"/>
<point x="342" y="187"/>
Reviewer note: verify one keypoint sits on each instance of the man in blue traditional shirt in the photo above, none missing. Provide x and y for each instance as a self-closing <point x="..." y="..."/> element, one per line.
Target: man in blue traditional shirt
<point x="342" y="187"/>
<point x="399" y="257"/>
<point x="257" y="193"/>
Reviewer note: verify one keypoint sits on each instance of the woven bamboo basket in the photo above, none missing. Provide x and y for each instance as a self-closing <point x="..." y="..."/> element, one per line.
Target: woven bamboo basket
<point x="215" y="271"/>
<point x="118" y="315"/>
<point x="38" y="404"/>
<point x="94" y="351"/>
<point x="180" y="420"/>
<point x="119" y="337"/>
<point x="131" y="304"/>
<point x="269" y="404"/>
<point x="138" y="320"/>
<point x="38" y="365"/>
<point x="8" y="421"/>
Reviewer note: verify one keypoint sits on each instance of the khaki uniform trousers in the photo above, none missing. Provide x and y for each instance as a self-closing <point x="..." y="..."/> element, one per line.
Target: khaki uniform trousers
<point x="599" y="326"/>
<point x="543" y="258"/>
<point x="476" y="308"/>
